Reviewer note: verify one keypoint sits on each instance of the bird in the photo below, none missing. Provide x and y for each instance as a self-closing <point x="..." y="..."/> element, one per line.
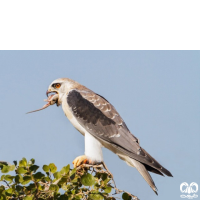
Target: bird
<point x="98" y="120"/>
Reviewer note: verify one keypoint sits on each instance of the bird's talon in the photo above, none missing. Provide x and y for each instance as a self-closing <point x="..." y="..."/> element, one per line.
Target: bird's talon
<point x="82" y="160"/>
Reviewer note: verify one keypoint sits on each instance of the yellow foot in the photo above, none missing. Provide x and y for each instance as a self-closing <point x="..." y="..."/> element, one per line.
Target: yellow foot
<point x="81" y="160"/>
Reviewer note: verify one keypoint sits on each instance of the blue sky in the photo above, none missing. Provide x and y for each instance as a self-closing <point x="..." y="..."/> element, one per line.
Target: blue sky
<point x="155" y="92"/>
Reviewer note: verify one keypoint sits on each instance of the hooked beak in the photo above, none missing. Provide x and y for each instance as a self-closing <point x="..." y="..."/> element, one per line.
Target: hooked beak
<point x="48" y="92"/>
<point x="55" y="92"/>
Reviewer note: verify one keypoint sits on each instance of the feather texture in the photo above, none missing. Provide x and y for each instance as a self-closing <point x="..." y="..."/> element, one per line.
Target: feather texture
<point x="102" y="121"/>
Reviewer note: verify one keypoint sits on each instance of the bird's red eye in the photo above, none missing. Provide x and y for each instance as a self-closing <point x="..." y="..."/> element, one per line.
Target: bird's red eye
<point x="57" y="85"/>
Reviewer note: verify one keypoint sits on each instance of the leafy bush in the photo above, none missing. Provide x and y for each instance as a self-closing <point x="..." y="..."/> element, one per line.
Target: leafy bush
<point x="84" y="182"/>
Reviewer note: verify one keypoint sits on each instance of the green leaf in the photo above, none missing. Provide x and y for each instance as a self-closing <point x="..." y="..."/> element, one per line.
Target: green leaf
<point x="2" y="197"/>
<point x="38" y="176"/>
<point x="72" y="174"/>
<point x="19" y="187"/>
<point x="75" y="180"/>
<point x="21" y="170"/>
<point x="31" y="186"/>
<point x="40" y="187"/>
<point x="11" y="167"/>
<point x="65" y="187"/>
<point x="104" y="176"/>
<point x="18" y="178"/>
<point x="96" y="197"/>
<point x="52" y="167"/>
<point x="54" y="188"/>
<point x="34" y="168"/>
<point x="63" y="180"/>
<point x="96" y="186"/>
<point x="15" y="162"/>
<point x="2" y="177"/>
<point x="78" y="197"/>
<point x="2" y="188"/>
<point x="26" y="180"/>
<point x="9" y="191"/>
<point x="8" y="178"/>
<point x="46" y="178"/>
<point x="28" y="198"/>
<point x="57" y="175"/>
<point x="73" y="171"/>
<point x="73" y="191"/>
<point x="65" y="169"/>
<point x="106" y="181"/>
<point x="125" y="196"/>
<point x="63" y="197"/>
<point x="87" y="179"/>
<point x="23" y="162"/>
<point x="33" y="161"/>
<point x="108" y="189"/>
<point x="5" y="169"/>
<point x="45" y="168"/>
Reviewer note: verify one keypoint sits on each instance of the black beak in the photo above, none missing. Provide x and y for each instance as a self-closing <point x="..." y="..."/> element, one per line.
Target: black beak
<point x="47" y="92"/>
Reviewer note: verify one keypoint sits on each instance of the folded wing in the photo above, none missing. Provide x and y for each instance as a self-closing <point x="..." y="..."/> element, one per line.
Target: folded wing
<point x="102" y="121"/>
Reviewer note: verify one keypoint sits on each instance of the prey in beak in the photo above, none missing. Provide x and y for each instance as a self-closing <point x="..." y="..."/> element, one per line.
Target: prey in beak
<point x="52" y="99"/>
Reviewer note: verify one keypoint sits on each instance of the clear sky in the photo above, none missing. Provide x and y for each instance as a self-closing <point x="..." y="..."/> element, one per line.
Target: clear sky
<point x="156" y="93"/>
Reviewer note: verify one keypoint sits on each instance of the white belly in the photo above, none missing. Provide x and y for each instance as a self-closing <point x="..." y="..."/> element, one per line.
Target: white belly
<point x="93" y="148"/>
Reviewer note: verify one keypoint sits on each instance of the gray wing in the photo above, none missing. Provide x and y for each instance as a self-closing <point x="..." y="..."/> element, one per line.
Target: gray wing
<point x="101" y="120"/>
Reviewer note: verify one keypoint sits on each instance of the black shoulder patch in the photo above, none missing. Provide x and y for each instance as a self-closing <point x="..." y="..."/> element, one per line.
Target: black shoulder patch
<point x="85" y="110"/>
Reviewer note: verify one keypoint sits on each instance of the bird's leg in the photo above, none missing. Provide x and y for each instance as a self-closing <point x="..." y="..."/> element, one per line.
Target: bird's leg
<point x="82" y="160"/>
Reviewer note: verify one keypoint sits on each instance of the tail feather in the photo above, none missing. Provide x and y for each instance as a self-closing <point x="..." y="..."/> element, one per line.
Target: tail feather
<point x="142" y="169"/>
<point x="145" y="174"/>
<point x="151" y="169"/>
<point x="160" y="168"/>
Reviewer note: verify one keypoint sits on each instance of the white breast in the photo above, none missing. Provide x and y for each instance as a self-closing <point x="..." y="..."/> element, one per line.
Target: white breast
<point x="70" y="116"/>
